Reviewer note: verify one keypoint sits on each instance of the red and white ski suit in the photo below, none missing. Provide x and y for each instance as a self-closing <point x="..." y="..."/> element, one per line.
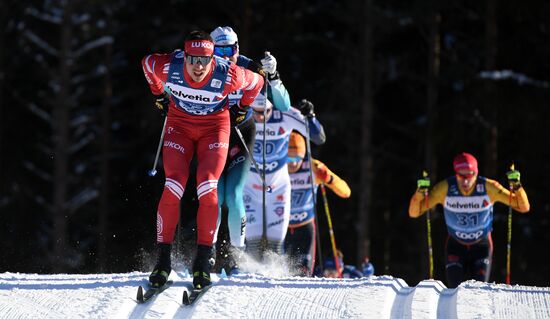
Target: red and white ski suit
<point x="198" y="121"/>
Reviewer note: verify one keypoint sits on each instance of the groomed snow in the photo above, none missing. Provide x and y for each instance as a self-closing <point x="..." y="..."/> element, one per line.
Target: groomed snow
<point x="259" y="296"/>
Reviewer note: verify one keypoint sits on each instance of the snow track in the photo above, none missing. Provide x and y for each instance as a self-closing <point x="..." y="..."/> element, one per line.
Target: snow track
<point x="258" y="296"/>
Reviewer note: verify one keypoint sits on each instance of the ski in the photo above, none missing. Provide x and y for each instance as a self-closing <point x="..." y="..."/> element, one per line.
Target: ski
<point x="194" y="295"/>
<point x="150" y="292"/>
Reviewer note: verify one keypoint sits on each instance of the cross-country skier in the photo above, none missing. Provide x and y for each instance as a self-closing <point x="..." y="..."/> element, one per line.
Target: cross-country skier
<point x="467" y="201"/>
<point x="192" y="88"/>
<point x="330" y="269"/>
<point x="233" y="178"/>
<point x="279" y="125"/>
<point x="300" y="239"/>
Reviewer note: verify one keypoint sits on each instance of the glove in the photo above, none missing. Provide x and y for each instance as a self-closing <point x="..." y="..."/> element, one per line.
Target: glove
<point x="306" y="108"/>
<point x="323" y="174"/>
<point x="269" y="65"/>
<point x="423" y="184"/>
<point x="162" y="102"/>
<point x="514" y="179"/>
<point x="238" y="114"/>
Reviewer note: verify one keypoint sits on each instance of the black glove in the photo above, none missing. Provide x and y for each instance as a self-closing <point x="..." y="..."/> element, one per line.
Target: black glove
<point x="514" y="179"/>
<point x="238" y="113"/>
<point x="162" y="102"/>
<point x="306" y="108"/>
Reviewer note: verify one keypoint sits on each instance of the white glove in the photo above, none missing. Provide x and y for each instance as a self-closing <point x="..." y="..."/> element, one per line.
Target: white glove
<point x="269" y="64"/>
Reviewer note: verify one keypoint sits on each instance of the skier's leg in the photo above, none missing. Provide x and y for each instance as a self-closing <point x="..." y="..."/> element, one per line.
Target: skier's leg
<point x="176" y="166"/>
<point x="211" y="155"/>
<point x="278" y="210"/>
<point x="455" y="254"/>
<point x="252" y="197"/>
<point x="482" y="255"/>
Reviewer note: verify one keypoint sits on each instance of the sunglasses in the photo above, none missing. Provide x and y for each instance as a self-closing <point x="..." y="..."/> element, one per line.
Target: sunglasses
<point x="294" y="159"/>
<point x="225" y="50"/>
<point x="466" y="176"/>
<point x="192" y="59"/>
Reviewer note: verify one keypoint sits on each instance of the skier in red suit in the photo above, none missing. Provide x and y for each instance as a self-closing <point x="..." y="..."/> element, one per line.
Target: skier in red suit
<point x="191" y="88"/>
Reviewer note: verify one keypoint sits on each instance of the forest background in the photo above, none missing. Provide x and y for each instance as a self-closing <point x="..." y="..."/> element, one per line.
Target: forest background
<point x="400" y="86"/>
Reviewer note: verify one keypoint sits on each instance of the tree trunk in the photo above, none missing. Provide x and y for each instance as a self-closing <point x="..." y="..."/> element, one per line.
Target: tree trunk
<point x="434" y="45"/>
<point x="61" y="143"/>
<point x="366" y="158"/>
<point x="105" y="147"/>
<point x="491" y="107"/>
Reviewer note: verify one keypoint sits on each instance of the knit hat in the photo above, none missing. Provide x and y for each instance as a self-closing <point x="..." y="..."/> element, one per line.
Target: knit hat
<point x="465" y="161"/>
<point x="297" y="145"/>
<point x="224" y="36"/>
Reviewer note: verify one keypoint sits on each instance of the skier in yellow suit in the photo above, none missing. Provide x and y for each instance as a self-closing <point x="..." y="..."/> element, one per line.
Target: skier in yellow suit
<point x="467" y="201"/>
<point x="300" y="238"/>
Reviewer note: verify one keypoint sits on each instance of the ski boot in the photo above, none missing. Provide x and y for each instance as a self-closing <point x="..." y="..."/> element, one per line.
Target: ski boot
<point x="201" y="267"/>
<point x="159" y="275"/>
<point x="234" y="258"/>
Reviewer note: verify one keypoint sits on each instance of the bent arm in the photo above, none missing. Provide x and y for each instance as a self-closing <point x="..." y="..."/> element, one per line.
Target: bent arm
<point x="153" y="66"/>
<point x="279" y="95"/>
<point x="242" y="79"/>
<point x="335" y="183"/>
<point x="417" y="205"/>
<point x="497" y="193"/>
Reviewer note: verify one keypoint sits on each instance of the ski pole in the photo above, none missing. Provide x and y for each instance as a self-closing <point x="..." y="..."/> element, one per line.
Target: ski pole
<point x="429" y="228"/>
<point x="264" y="143"/>
<point x="331" y="232"/>
<point x="248" y="152"/>
<point x="153" y="171"/>
<point x="310" y="159"/>
<point x="509" y="244"/>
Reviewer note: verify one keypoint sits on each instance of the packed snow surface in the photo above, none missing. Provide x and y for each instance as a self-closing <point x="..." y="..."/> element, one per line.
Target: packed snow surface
<point x="262" y="296"/>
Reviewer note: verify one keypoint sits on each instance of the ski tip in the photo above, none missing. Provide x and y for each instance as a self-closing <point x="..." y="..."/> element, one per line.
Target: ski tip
<point x="185" y="299"/>
<point x="139" y="296"/>
<point x="223" y="274"/>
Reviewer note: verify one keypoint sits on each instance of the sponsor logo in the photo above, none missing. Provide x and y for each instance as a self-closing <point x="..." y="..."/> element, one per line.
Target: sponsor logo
<point x="179" y="54"/>
<point x="196" y="97"/>
<point x="267" y="131"/>
<point x="236" y="161"/>
<point x="480" y="188"/>
<point x="280" y="197"/>
<point x="170" y="130"/>
<point x="281" y="130"/>
<point x="250" y="219"/>
<point x="469" y="236"/>
<point x="280" y="211"/>
<point x="466" y="205"/>
<point x="298" y="217"/>
<point x="202" y="44"/>
<point x="485" y="203"/>
<point x="268" y="188"/>
<point x="280" y="221"/>
<point x="269" y="166"/>
<point x="243" y="225"/>
<point x="218" y="145"/>
<point x="175" y="146"/>
<point x="247" y="199"/>
<point x="297" y="182"/>
<point x="216" y="83"/>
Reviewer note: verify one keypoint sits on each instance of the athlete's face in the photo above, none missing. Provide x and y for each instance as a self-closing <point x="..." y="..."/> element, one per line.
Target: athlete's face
<point x="259" y="115"/>
<point x="466" y="179"/>
<point x="198" y="67"/>
<point x="294" y="161"/>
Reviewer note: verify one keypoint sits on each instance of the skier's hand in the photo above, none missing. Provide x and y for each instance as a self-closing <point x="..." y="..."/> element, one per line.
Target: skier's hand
<point x="162" y="102"/>
<point x="238" y="113"/>
<point x="323" y="174"/>
<point x="306" y="108"/>
<point x="423" y="184"/>
<point x="269" y="65"/>
<point x="514" y="179"/>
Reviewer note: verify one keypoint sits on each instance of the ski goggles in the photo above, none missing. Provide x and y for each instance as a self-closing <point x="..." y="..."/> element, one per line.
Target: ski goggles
<point x="192" y="59"/>
<point x="294" y="159"/>
<point x="467" y="175"/>
<point x="225" y="50"/>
